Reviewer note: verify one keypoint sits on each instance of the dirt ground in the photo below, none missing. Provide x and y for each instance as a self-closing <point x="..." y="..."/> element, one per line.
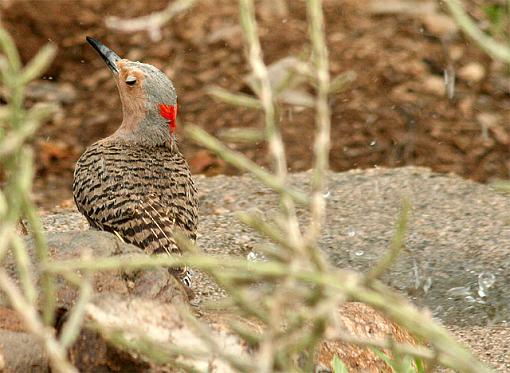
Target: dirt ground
<point x="395" y="113"/>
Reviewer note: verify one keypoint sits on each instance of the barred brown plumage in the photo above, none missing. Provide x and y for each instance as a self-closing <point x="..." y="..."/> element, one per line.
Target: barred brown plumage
<point x="135" y="183"/>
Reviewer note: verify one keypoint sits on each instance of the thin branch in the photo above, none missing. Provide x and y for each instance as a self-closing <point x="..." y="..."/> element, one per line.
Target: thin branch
<point x="41" y="246"/>
<point x="378" y="296"/>
<point x="265" y="93"/>
<point x="397" y="244"/>
<point x="322" y="118"/>
<point x="24" y="269"/>
<point x="495" y="49"/>
<point x="153" y="22"/>
<point x="72" y="327"/>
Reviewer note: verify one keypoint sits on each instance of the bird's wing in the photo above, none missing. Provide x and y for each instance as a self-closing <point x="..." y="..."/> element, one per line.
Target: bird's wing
<point x="158" y="223"/>
<point x="143" y="205"/>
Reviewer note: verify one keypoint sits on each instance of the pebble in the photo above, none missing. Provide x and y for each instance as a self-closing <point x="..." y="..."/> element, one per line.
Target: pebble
<point x="472" y="72"/>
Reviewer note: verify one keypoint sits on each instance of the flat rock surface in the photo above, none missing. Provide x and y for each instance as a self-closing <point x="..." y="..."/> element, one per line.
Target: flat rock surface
<point x="457" y="257"/>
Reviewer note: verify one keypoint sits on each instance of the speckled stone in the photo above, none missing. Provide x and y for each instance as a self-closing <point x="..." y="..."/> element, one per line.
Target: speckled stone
<point x="458" y="240"/>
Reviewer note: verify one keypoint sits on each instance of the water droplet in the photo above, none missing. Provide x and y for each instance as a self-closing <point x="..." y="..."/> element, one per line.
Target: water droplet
<point x="351" y="232"/>
<point x="254" y="256"/>
<point x="485" y="281"/>
<point x="327" y="194"/>
<point x="461" y="290"/>
<point x="373" y="142"/>
<point x="359" y="253"/>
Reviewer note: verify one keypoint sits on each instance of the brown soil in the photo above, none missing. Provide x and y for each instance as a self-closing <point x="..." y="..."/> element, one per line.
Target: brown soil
<point x="394" y="114"/>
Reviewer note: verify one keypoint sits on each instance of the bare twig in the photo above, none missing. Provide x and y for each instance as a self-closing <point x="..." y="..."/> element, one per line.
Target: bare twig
<point x="495" y="49"/>
<point x="153" y="22"/>
<point x="349" y="283"/>
<point x="236" y="99"/>
<point x="273" y="134"/>
<point x="71" y="328"/>
<point x="396" y="245"/>
<point x="322" y="118"/>
<point x="24" y="270"/>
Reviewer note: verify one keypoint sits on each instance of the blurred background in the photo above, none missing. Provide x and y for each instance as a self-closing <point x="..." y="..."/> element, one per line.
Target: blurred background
<point x="398" y="111"/>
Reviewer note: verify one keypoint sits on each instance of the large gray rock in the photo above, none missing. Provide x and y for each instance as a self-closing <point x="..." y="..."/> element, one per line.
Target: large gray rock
<point x="156" y="283"/>
<point x="457" y="258"/>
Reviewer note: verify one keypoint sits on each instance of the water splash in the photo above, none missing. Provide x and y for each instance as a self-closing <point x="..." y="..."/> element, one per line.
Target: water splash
<point x="254" y="257"/>
<point x="351" y="232"/>
<point x="485" y="281"/>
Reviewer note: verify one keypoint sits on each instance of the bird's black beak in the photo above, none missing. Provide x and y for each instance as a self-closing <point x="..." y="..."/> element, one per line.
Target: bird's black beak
<point x="109" y="56"/>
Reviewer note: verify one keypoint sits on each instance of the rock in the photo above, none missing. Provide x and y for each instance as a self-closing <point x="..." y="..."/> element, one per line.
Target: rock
<point x="472" y="72"/>
<point x="435" y="85"/>
<point x="439" y="24"/>
<point x="452" y="218"/>
<point x="47" y="91"/>
<point x="22" y="352"/>
<point x="157" y="283"/>
<point x="450" y="214"/>
<point x="361" y="321"/>
<point x="164" y="326"/>
<point x="160" y="324"/>
<point x="9" y="320"/>
<point x="19" y="351"/>
<point x="401" y="7"/>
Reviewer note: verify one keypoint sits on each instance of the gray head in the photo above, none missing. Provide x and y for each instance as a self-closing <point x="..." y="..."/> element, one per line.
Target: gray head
<point x="149" y="100"/>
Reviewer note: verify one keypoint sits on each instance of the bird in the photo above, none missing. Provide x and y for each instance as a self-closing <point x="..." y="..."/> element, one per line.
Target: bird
<point x="135" y="183"/>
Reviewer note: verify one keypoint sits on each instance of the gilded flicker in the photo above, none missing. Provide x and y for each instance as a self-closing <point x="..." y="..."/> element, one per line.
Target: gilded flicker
<point x="135" y="183"/>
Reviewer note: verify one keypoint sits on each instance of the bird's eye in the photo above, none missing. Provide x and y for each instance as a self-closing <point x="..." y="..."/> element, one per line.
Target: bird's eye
<point x="131" y="80"/>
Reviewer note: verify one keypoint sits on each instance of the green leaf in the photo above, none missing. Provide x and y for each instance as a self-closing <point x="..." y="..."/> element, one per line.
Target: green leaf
<point x="341" y="82"/>
<point x="237" y="99"/>
<point x="338" y="365"/>
<point x="494" y="13"/>
<point x="10" y="51"/>
<point x="383" y="357"/>
<point x="406" y="365"/>
<point x="420" y="366"/>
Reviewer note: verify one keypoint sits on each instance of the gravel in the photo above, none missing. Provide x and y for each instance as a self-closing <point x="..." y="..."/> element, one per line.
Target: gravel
<point x="457" y="257"/>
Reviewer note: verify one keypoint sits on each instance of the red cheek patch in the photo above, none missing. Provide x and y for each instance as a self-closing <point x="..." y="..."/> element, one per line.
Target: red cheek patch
<point x="169" y="112"/>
